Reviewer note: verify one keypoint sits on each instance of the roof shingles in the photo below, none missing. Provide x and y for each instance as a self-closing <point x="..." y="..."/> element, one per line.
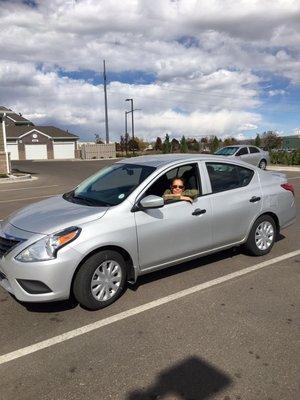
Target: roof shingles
<point x="14" y="131"/>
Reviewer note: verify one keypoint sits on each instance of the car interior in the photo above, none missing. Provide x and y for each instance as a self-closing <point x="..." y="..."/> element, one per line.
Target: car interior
<point x="189" y="173"/>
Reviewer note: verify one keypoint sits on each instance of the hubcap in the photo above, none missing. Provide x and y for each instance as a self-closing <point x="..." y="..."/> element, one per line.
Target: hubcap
<point x="106" y="280"/>
<point x="264" y="235"/>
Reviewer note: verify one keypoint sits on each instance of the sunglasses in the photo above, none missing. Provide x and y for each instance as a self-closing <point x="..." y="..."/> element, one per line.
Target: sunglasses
<point x="177" y="186"/>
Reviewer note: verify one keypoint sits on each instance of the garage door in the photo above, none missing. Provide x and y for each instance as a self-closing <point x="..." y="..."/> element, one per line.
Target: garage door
<point x="13" y="150"/>
<point x="64" y="150"/>
<point x="36" y="152"/>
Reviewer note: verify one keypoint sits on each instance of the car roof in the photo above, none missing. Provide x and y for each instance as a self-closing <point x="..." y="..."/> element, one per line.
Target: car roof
<point x="159" y="160"/>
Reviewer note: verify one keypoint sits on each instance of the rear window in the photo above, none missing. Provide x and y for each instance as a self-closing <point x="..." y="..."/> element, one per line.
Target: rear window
<point x="227" y="151"/>
<point x="228" y="176"/>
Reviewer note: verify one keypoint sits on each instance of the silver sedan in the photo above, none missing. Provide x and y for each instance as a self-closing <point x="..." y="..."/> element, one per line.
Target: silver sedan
<point x="250" y="154"/>
<point x="137" y="216"/>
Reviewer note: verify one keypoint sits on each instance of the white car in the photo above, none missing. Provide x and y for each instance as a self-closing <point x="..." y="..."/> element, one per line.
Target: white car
<point x="250" y="154"/>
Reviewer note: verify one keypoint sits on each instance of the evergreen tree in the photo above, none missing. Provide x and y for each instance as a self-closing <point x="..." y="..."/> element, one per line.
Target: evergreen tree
<point x="158" y="144"/>
<point x="257" y="141"/>
<point x="166" y="148"/>
<point x="183" y="145"/>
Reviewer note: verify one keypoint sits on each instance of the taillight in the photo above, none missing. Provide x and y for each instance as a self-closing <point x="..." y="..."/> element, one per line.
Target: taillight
<point x="289" y="187"/>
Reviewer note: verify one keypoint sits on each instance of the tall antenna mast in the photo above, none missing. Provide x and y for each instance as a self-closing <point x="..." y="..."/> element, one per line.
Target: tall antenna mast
<point x="105" y="103"/>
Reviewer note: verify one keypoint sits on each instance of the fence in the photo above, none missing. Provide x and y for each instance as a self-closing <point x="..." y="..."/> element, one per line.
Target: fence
<point x="98" y="151"/>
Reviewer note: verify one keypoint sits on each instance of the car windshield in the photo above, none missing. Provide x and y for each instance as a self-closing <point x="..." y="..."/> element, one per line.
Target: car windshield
<point x="226" y="151"/>
<point x="110" y="186"/>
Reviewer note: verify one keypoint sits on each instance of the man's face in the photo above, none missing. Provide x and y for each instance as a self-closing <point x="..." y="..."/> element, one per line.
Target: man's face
<point x="177" y="187"/>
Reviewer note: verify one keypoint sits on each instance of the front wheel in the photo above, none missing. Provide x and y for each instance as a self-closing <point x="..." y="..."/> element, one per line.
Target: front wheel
<point x="100" y="280"/>
<point x="262" y="236"/>
<point x="262" y="164"/>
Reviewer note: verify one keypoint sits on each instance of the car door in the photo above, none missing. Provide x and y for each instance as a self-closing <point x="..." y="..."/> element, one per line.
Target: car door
<point x="176" y="231"/>
<point x="255" y="155"/>
<point x="235" y="201"/>
<point x="243" y="154"/>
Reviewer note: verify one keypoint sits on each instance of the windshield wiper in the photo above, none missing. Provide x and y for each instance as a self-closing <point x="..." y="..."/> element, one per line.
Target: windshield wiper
<point x="93" y="202"/>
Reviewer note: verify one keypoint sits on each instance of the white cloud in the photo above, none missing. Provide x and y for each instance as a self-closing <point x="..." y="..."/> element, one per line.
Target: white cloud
<point x="204" y="55"/>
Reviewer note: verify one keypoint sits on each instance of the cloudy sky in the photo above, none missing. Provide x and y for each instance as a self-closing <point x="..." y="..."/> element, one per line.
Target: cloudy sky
<point x="193" y="67"/>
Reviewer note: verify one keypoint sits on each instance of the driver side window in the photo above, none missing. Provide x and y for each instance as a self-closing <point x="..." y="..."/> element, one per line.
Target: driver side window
<point x="189" y="175"/>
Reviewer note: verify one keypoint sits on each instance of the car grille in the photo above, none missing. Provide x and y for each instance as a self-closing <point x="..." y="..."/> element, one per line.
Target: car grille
<point x="7" y="244"/>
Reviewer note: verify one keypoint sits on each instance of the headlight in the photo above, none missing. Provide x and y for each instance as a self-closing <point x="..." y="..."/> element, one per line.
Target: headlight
<point x="47" y="248"/>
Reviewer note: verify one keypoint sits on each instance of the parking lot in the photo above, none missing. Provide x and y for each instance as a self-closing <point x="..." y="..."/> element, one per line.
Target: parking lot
<point x="225" y="326"/>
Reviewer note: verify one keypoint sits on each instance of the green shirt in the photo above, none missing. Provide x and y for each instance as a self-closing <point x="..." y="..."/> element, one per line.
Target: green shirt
<point x="192" y="193"/>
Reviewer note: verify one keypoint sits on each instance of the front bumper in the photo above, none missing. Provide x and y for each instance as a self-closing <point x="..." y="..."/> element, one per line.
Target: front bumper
<point x="56" y="274"/>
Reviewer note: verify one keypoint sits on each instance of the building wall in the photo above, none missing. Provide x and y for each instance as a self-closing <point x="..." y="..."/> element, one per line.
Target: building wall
<point x="35" y="138"/>
<point x="1" y="137"/>
<point x="96" y="151"/>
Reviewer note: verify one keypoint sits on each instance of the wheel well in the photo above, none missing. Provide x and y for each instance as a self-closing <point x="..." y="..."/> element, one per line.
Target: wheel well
<point x="276" y="220"/>
<point x="263" y="159"/>
<point x="123" y="252"/>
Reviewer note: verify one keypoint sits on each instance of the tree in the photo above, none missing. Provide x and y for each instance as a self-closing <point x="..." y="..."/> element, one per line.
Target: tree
<point x="122" y="144"/>
<point x="133" y="145"/>
<point x="166" y="147"/>
<point x="214" y="144"/>
<point x="141" y="143"/>
<point x="257" y="141"/>
<point x="230" y="141"/>
<point x="175" y="145"/>
<point x="183" y="145"/>
<point x="271" y="140"/>
<point x="193" y="144"/>
<point x="158" y="144"/>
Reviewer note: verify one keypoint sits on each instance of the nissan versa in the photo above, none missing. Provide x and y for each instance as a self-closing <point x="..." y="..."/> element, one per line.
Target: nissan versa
<point x="117" y="225"/>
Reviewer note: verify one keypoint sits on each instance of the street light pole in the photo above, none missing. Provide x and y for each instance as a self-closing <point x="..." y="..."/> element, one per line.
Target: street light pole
<point x="105" y="104"/>
<point x="126" y="133"/>
<point x="132" y="122"/>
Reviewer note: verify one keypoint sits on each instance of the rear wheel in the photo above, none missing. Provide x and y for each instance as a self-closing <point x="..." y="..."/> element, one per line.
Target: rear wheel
<point x="100" y="280"/>
<point x="262" y="164"/>
<point x="262" y="236"/>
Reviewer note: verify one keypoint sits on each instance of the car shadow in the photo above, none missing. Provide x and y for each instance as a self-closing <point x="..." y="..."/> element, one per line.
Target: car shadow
<point x="51" y="307"/>
<point x="191" y="379"/>
<point x="189" y="265"/>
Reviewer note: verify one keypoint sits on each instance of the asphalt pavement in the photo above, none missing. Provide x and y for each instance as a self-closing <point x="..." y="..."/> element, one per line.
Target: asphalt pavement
<point x="233" y="338"/>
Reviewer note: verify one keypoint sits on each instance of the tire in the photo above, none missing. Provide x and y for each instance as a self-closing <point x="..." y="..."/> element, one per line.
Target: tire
<point x="264" y="228"/>
<point x="107" y="269"/>
<point x="262" y="164"/>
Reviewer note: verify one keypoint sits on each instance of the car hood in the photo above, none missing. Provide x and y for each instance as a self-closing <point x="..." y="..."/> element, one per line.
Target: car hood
<point x="53" y="214"/>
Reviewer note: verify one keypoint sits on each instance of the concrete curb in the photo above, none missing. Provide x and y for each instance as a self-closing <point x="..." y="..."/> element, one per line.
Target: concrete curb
<point x="14" y="179"/>
<point x="283" y="168"/>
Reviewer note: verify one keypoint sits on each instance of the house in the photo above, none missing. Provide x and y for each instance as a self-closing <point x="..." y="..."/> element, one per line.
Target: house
<point x="26" y="141"/>
<point x="291" y="142"/>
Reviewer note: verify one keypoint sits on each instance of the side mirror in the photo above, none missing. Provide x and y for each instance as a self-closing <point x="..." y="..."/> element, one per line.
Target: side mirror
<point x="152" y="201"/>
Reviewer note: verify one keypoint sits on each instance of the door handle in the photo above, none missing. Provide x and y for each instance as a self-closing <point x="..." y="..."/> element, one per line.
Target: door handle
<point x="254" y="199"/>
<point x="198" y="211"/>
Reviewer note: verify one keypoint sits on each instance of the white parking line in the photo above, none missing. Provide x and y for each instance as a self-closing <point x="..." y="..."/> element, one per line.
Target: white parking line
<point x="28" y="188"/>
<point x="28" y="198"/>
<point x="137" y="310"/>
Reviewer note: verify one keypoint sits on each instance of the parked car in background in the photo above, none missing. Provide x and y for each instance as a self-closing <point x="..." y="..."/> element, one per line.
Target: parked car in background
<point x="250" y="154"/>
<point x="116" y="225"/>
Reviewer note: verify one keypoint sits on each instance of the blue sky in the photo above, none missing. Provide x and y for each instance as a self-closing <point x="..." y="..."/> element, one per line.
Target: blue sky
<point x="192" y="67"/>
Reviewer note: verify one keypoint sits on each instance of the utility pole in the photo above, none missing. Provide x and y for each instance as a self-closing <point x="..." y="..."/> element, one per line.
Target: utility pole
<point x="105" y="103"/>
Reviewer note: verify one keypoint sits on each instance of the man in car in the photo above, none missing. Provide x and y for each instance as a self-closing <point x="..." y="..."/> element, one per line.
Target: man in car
<point x="178" y="192"/>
